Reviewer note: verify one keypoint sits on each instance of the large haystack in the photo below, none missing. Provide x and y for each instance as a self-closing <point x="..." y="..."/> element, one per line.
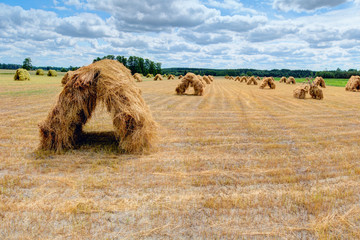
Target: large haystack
<point x="268" y="81"/>
<point x="52" y="73"/>
<point x="206" y="79"/>
<point x="138" y="77"/>
<point x="40" y="72"/>
<point x="107" y="82"/>
<point x="21" y="75"/>
<point x="353" y="84"/>
<point x="291" y="80"/>
<point x="301" y="91"/>
<point x="283" y="80"/>
<point x="319" y="81"/>
<point x="171" y="77"/>
<point x="158" y="77"/>
<point x="252" y="80"/>
<point x="244" y="79"/>
<point x="237" y="79"/>
<point x="190" y="80"/>
<point x="316" y="92"/>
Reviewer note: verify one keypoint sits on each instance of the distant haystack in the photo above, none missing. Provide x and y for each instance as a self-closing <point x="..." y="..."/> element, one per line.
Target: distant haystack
<point x="301" y="91"/>
<point x="21" y="75"/>
<point x="201" y="80"/>
<point x="52" y="73"/>
<point x="316" y="92"/>
<point x="40" y="72"/>
<point x="190" y="80"/>
<point x="171" y="77"/>
<point x="353" y="84"/>
<point x="211" y="78"/>
<point x="291" y="80"/>
<point x="106" y="82"/>
<point x="283" y="80"/>
<point x="252" y="80"/>
<point x="181" y="76"/>
<point x="268" y="81"/>
<point x="206" y="79"/>
<point x="258" y="78"/>
<point x="237" y="79"/>
<point x="158" y="77"/>
<point x="138" y="77"/>
<point x="149" y="75"/>
<point x="319" y="81"/>
<point x="244" y="79"/>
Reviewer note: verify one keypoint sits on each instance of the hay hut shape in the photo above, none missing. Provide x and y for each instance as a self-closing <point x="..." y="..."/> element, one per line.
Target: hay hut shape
<point x="316" y="92"/>
<point x="301" y="91"/>
<point x="237" y="79"/>
<point x="181" y="76"/>
<point x="243" y="79"/>
<point x="158" y="77"/>
<point x="149" y="75"/>
<point x="231" y="78"/>
<point x="252" y="80"/>
<point x="52" y="73"/>
<point x="107" y="82"/>
<point x="319" y="81"/>
<point x="21" y="75"/>
<point x="269" y="81"/>
<point x="353" y="84"/>
<point x="171" y="77"/>
<point x="258" y="79"/>
<point x="211" y="78"/>
<point x="190" y="79"/>
<point x="206" y="79"/>
<point x="138" y="77"/>
<point x="40" y="72"/>
<point x="283" y="80"/>
<point x="291" y="80"/>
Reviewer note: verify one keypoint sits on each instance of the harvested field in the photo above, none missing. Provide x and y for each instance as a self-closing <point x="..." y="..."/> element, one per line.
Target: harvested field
<point x="238" y="162"/>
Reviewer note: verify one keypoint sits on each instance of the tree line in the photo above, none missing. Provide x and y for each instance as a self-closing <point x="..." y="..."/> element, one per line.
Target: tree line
<point x="136" y="64"/>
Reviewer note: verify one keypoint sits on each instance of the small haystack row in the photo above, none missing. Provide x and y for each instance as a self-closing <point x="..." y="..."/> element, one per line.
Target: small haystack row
<point x="268" y="81"/>
<point x="158" y="77"/>
<point x="283" y="80"/>
<point x="252" y="80"/>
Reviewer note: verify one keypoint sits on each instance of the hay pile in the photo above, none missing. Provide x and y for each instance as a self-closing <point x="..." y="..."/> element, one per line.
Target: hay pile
<point x="52" y="73"/>
<point x="181" y="76"/>
<point x="301" y="91"/>
<point x="316" y="92"/>
<point x="171" y="77"/>
<point x="258" y="78"/>
<point x="353" y="84"/>
<point x="244" y="79"/>
<point x="237" y="79"/>
<point x="40" y="72"/>
<point x="190" y="80"/>
<point x="149" y="75"/>
<point x="206" y="79"/>
<point x="319" y="81"/>
<point x="252" y="80"/>
<point x="291" y="80"/>
<point x="21" y="75"/>
<point x="201" y="80"/>
<point x="138" y="77"/>
<point x="107" y="82"/>
<point x="158" y="77"/>
<point x="211" y="78"/>
<point x="283" y="80"/>
<point x="268" y="81"/>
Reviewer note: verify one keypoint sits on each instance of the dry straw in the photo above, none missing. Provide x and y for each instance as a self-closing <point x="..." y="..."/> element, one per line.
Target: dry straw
<point x="301" y="91"/>
<point x="206" y="79"/>
<point x="252" y="80"/>
<point x="237" y="79"/>
<point x="21" y="75"/>
<point x="181" y="76"/>
<point x="190" y="80"/>
<point x="171" y="77"/>
<point x="107" y="82"/>
<point x="138" y="77"/>
<point x="319" y="81"/>
<point x="243" y="79"/>
<point x="283" y="80"/>
<point x="316" y="92"/>
<point x="40" y="72"/>
<point x="158" y="77"/>
<point x="149" y="75"/>
<point x="291" y="80"/>
<point x="268" y="81"/>
<point x="52" y="73"/>
<point x="211" y="78"/>
<point x="353" y="84"/>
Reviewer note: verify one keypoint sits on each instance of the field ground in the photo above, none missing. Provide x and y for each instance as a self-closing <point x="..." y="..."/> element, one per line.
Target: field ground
<point x="238" y="162"/>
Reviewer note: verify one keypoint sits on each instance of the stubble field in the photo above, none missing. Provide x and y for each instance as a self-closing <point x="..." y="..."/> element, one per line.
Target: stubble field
<point x="238" y="162"/>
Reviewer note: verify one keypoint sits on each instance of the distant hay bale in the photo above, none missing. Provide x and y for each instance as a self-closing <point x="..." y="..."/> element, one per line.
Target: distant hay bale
<point x="252" y="80"/>
<point x="291" y="80"/>
<point x="316" y="92"/>
<point x="353" y="84"/>
<point x="231" y="78"/>
<point x="206" y="79"/>
<point x="268" y="81"/>
<point x="171" y="77"/>
<point x="149" y="75"/>
<point x="244" y="79"/>
<point x="106" y="82"/>
<point x="52" y="73"/>
<point x="158" y="77"/>
<point x="237" y="79"/>
<point x="283" y="80"/>
<point x="201" y="80"/>
<point x="180" y="77"/>
<point x="190" y="80"/>
<point x="301" y="91"/>
<point x="258" y="78"/>
<point x="138" y="77"/>
<point x="211" y="78"/>
<point x="40" y="72"/>
<point x="319" y="81"/>
<point x="21" y="75"/>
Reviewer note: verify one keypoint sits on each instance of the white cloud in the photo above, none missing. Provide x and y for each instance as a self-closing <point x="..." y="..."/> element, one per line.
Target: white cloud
<point x="305" y="5"/>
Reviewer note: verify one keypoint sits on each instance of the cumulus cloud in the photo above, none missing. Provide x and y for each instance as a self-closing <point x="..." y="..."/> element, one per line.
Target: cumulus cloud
<point x="269" y="33"/>
<point x="305" y="5"/>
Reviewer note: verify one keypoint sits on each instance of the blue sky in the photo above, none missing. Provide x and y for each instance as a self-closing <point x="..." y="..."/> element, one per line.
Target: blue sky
<point x="262" y="34"/>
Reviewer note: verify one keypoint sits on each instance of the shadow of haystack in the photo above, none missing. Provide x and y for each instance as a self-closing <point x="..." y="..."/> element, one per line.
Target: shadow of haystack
<point x="107" y="82"/>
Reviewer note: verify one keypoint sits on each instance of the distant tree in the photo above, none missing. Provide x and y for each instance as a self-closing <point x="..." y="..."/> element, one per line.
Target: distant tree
<point x="27" y="64"/>
<point x="63" y="70"/>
